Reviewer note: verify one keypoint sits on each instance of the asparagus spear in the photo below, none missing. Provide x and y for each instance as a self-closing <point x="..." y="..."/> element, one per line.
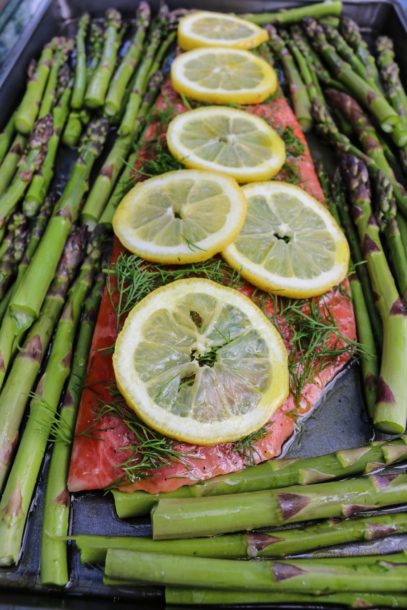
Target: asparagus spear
<point x="115" y="95"/>
<point x="74" y="127"/>
<point x="28" y="110"/>
<point x="35" y="236"/>
<point x="139" y="85"/>
<point x="27" y="462"/>
<point x="368" y="356"/>
<point x="326" y="127"/>
<point x="387" y="218"/>
<point x="369" y="97"/>
<point x="294" y="15"/>
<point x="116" y="158"/>
<point x="30" y="164"/>
<point x="77" y="120"/>
<point x="9" y="165"/>
<point x="300" y="575"/>
<point x="79" y="86"/>
<point x="96" y="48"/>
<point x="99" y="84"/>
<point x="17" y="238"/>
<point x="26" y="365"/>
<point x="274" y="474"/>
<point x="52" y="91"/>
<point x="40" y="183"/>
<point x="298" y="90"/>
<point x="368" y="137"/>
<point x="53" y="563"/>
<point x="207" y="516"/>
<point x="252" y="545"/>
<point x="28" y="299"/>
<point x="345" y="51"/>
<point x="179" y="596"/>
<point x="6" y="137"/>
<point x="391" y="407"/>
<point x="390" y="74"/>
<point x="351" y="32"/>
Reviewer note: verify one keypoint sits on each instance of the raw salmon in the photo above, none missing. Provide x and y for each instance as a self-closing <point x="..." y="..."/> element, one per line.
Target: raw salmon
<point x="96" y="456"/>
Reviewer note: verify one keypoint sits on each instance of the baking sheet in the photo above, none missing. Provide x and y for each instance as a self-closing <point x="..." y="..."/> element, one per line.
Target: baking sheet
<point x="338" y="422"/>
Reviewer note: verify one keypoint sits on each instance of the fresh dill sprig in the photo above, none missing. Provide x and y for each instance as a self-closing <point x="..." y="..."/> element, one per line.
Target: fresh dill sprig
<point x="159" y="161"/>
<point x="314" y="337"/>
<point x="130" y="279"/>
<point x="294" y="146"/>
<point x="149" y="449"/>
<point x="245" y="447"/>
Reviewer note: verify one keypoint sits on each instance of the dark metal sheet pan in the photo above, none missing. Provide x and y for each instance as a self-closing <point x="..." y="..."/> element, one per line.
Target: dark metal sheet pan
<point x="338" y="421"/>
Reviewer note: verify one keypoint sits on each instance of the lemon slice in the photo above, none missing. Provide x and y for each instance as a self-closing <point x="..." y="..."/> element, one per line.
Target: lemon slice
<point x="226" y="140"/>
<point x="181" y="217"/>
<point x="207" y="29"/>
<point x="220" y="76"/>
<point x="290" y="243"/>
<point x="201" y="363"/>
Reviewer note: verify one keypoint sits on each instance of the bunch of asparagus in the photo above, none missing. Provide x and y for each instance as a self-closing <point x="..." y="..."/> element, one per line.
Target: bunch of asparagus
<point x="51" y="252"/>
<point x="357" y="103"/>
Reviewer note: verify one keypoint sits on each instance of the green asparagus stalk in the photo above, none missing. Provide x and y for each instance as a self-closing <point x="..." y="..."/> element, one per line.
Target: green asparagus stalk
<point x="179" y="596"/>
<point x="99" y="84"/>
<point x="327" y="128"/>
<point x="312" y="58"/>
<point x="369" y="97"/>
<point x="351" y="32"/>
<point x="54" y="560"/>
<point x="125" y="71"/>
<point x="14" y="253"/>
<point x="9" y="165"/>
<point x="391" y="408"/>
<point x="387" y="218"/>
<point x="26" y="365"/>
<point x="35" y="236"/>
<point x="28" y="299"/>
<point x="41" y="181"/>
<point x="52" y="91"/>
<point x="79" y="86"/>
<point x="6" y="136"/>
<point x="295" y="15"/>
<point x="274" y="474"/>
<point x="74" y="127"/>
<point x="368" y="356"/>
<point x="208" y="516"/>
<point x="252" y="545"/>
<point x="390" y="75"/>
<point x="298" y="91"/>
<point x="345" y="50"/>
<point x="368" y="137"/>
<point x="139" y="85"/>
<point x="36" y="152"/>
<point x="96" y="48"/>
<point x="359" y="261"/>
<point x="27" y="462"/>
<point x="300" y="575"/>
<point x="116" y="158"/>
<point x="28" y="110"/>
<point x="123" y="185"/>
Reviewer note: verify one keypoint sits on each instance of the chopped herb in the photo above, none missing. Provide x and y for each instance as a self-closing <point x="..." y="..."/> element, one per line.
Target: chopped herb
<point x="246" y="449"/>
<point x="290" y="173"/>
<point x="294" y="146"/>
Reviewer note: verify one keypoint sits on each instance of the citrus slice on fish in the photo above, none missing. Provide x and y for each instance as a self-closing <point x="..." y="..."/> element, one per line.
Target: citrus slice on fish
<point x="181" y="217"/>
<point x="221" y="76"/>
<point x="208" y="29"/>
<point x="290" y="243"/>
<point x="226" y="140"/>
<point x="201" y="363"/>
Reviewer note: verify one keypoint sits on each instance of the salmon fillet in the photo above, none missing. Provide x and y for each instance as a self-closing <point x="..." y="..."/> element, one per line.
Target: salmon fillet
<point x="96" y="457"/>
